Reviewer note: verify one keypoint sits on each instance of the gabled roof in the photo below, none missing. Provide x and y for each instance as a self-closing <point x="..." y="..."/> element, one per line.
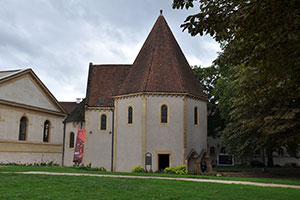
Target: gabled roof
<point x="77" y="115"/>
<point x="68" y="106"/>
<point x="161" y="66"/>
<point x="5" y="73"/>
<point x="14" y="75"/>
<point x="104" y="82"/>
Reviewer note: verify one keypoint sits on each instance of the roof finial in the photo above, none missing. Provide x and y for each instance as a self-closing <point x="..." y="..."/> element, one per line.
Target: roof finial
<point x="161" y="12"/>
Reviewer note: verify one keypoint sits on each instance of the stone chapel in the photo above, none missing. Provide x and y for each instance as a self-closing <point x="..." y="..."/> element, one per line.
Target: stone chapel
<point x="154" y="108"/>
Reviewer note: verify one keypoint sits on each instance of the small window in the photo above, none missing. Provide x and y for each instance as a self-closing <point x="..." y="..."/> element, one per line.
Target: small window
<point x="46" y="131"/>
<point x="22" y="129"/>
<point x="212" y="150"/>
<point x="196" y="116"/>
<point x="130" y="115"/>
<point x="164" y="114"/>
<point x="72" y="140"/>
<point x="103" y="122"/>
<point x="223" y="150"/>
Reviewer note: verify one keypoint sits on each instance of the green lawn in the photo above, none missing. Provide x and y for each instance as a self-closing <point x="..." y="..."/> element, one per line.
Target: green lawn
<point x="20" y="186"/>
<point x="10" y="168"/>
<point x="275" y="170"/>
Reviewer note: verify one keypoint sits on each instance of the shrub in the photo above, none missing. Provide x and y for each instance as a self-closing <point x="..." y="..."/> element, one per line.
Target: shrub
<point x="101" y="169"/>
<point x="88" y="167"/>
<point x="138" y="169"/>
<point x="181" y="169"/>
<point x="170" y="170"/>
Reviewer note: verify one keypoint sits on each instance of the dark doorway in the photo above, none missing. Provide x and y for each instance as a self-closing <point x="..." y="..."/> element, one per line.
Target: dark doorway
<point x="163" y="161"/>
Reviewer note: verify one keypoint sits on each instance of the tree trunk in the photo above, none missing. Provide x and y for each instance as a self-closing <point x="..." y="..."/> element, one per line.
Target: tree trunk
<point x="270" y="157"/>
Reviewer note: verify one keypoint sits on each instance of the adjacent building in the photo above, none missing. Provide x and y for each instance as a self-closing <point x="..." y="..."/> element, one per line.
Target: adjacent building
<point x="31" y="128"/>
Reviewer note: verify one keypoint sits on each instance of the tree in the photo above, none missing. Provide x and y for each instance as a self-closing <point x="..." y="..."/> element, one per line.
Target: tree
<point x="260" y="43"/>
<point x="208" y="78"/>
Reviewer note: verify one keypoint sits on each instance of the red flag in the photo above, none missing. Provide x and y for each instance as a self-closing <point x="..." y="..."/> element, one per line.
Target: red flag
<point x="78" y="154"/>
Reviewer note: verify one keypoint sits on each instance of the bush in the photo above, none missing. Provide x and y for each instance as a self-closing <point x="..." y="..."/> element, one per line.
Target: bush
<point x="170" y="170"/>
<point x="138" y="169"/>
<point x="47" y="164"/>
<point x="181" y="169"/>
<point x="88" y="167"/>
<point x="101" y="169"/>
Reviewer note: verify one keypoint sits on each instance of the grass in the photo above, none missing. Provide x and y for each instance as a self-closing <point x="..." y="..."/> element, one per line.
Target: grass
<point x="42" y="187"/>
<point x="11" y="168"/>
<point x="266" y="169"/>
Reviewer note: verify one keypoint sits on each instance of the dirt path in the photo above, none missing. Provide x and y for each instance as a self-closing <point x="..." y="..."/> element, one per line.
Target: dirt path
<point x="168" y="178"/>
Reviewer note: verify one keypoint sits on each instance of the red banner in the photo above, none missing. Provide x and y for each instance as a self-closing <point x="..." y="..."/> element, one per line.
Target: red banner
<point x="78" y="154"/>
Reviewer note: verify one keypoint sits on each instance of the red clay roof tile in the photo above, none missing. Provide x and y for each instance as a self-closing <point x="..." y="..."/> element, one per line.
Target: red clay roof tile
<point x="104" y="82"/>
<point x="161" y="66"/>
<point x="68" y="106"/>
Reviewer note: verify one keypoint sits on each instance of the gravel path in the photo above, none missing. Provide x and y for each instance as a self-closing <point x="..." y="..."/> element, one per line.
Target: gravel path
<point x="168" y="178"/>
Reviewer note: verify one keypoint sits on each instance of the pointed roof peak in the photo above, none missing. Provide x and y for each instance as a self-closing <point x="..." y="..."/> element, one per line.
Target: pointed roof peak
<point x="161" y="66"/>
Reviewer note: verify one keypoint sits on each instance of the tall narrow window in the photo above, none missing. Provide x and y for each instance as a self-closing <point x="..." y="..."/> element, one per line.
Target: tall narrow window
<point x="196" y="116"/>
<point x="130" y="115"/>
<point x="164" y="114"/>
<point x="22" y="129"/>
<point x="72" y="140"/>
<point x="103" y="122"/>
<point x="46" y="131"/>
<point x="212" y="150"/>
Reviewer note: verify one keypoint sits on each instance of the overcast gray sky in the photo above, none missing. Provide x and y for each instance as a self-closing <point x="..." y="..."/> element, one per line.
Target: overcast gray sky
<point x="59" y="38"/>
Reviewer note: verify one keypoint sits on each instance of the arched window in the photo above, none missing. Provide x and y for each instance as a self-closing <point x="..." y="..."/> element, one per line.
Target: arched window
<point x="103" y="122"/>
<point x="212" y="150"/>
<point x="22" y="129"/>
<point x="196" y="116"/>
<point x="164" y="114"/>
<point x="72" y="140"/>
<point x="46" y="131"/>
<point x="130" y="115"/>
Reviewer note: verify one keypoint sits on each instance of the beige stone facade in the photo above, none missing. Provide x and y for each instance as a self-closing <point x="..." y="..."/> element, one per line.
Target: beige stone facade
<point x="23" y="95"/>
<point x="123" y="146"/>
<point x="154" y="110"/>
<point x="71" y="128"/>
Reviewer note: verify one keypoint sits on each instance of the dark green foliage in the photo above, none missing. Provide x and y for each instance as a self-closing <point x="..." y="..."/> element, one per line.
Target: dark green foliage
<point x="259" y="92"/>
<point x="208" y="78"/>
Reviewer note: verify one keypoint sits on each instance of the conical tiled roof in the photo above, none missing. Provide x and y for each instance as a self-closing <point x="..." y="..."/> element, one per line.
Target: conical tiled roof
<point x="161" y="66"/>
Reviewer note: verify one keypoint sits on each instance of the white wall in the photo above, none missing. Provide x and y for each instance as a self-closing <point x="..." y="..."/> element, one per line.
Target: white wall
<point x="33" y="149"/>
<point x="26" y="91"/>
<point x="165" y="137"/>
<point x="29" y="158"/>
<point x="10" y="123"/>
<point x="196" y="135"/>
<point x="69" y="152"/>
<point x="98" y="143"/>
<point x="129" y="137"/>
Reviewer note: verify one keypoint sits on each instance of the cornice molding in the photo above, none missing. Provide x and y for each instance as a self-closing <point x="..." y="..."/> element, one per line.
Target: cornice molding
<point x="99" y="108"/>
<point x="32" y="108"/>
<point x="140" y="94"/>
